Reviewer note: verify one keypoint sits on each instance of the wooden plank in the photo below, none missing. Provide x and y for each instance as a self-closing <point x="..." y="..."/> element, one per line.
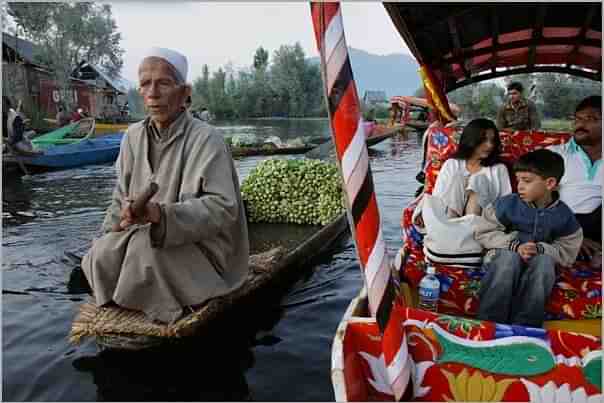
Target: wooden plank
<point x="581" y="36"/>
<point x="458" y="51"/>
<point x="495" y="39"/>
<point x="512" y="45"/>
<point x="537" y="35"/>
<point x="451" y="85"/>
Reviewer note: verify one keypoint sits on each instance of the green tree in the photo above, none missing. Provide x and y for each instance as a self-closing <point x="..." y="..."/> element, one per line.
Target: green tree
<point x="478" y="100"/>
<point x="135" y="103"/>
<point x="260" y="59"/>
<point x="559" y="94"/>
<point x="201" y="89"/>
<point x="69" y="33"/>
<point x="291" y="78"/>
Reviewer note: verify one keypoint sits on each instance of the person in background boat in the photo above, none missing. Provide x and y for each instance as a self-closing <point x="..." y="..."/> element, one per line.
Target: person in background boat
<point x="62" y="117"/>
<point x="76" y="116"/>
<point x="474" y="176"/>
<point x="13" y="131"/>
<point x="191" y="243"/>
<point x="518" y="113"/>
<point x="527" y="234"/>
<point x="205" y="114"/>
<point x="189" y="107"/>
<point x="581" y="185"/>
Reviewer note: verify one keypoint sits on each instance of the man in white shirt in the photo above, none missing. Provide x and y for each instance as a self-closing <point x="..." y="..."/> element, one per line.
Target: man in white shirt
<point x="581" y="185"/>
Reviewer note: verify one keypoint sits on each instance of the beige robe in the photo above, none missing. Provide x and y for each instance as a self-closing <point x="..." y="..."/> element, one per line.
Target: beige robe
<point x="203" y="251"/>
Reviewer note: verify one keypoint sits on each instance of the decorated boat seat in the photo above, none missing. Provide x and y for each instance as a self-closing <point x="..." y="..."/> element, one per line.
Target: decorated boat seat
<point x="577" y="293"/>
<point x="460" y="359"/>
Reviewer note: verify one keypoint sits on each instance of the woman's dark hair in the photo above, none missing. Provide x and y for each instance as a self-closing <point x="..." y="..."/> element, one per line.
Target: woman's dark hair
<point x="473" y="135"/>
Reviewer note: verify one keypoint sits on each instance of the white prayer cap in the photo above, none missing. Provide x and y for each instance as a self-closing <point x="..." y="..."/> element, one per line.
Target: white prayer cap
<point x="176" y="59"/>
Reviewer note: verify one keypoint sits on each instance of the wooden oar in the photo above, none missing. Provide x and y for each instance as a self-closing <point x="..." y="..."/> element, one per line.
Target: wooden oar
<point x="138" y="205"/>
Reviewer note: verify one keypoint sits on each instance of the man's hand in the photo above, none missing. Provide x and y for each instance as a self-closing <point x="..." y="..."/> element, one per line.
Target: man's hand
<point x="527" y="250"/>
<point x="590" y="248"/>
<point x="128" y="217"/>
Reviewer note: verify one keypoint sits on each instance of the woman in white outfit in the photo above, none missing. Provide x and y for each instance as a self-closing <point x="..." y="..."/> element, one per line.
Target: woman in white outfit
<point x="468" y="182"/>
<point x="474" y="176"/>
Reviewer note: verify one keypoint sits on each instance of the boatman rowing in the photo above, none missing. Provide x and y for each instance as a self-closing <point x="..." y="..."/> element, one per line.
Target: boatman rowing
<point x="190" y="242"/>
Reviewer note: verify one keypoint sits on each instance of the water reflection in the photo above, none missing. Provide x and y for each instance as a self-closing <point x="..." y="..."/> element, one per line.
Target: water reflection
<point x="210" y="367"/>
<point x="16" y="201"/>
<point x="285" y="129"/>
<point x="283" y="355"/>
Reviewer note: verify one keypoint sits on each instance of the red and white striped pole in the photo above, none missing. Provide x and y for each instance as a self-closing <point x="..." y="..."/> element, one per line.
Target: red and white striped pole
<point x="363" y="215"/>
<point x="349" y="139"/>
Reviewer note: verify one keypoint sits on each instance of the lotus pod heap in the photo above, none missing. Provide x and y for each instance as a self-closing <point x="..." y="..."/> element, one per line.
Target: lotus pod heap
<point x="304" y="191"/>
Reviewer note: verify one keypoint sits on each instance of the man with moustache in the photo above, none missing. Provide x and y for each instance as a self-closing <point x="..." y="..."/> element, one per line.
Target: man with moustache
<point x="581" y="185"/>
<point x="191" y="242"/>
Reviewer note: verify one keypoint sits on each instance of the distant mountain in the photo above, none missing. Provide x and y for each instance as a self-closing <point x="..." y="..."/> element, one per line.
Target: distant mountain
<point x="396" y="74"/>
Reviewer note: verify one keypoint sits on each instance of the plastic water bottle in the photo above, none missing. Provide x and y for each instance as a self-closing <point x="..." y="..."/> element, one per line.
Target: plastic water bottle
<point x="429" y="290"/>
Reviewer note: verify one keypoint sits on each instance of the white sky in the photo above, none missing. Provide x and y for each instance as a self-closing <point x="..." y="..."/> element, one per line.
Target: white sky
<point x="218" y="33"/>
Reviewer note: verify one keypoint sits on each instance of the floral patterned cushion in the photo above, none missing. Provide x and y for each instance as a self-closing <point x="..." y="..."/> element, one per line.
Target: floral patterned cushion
<point x="578" y="290"/>
<point x="457" y="359"/>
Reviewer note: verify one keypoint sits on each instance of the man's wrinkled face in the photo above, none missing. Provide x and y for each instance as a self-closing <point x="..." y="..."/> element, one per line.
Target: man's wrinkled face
<point x="588" y="126"/>
<point x="163" y="96"/>
<point x="514" y="95"/>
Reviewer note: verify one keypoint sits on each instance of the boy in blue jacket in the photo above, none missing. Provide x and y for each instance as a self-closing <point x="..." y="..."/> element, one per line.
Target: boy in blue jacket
<point x="527" y="234"/>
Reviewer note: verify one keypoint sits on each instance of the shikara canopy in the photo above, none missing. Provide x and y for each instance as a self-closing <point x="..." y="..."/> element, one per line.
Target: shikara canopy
<point x="463" y="43"/>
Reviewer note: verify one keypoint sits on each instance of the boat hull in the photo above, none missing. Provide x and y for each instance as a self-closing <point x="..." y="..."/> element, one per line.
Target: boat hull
<point x="301" y="244"/>
<point x="381" y="133"/>
<point x="85" y="152"/>
<point x="357" y="313"/>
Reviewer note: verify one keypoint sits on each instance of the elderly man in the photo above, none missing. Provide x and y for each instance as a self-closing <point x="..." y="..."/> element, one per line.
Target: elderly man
<point x="518" y="113"/>
<point x="581" y="185"/>
<point x="191" y="242"/>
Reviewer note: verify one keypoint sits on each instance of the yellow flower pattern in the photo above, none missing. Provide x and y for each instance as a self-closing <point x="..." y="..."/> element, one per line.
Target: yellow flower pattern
<point x="466" y="388"/>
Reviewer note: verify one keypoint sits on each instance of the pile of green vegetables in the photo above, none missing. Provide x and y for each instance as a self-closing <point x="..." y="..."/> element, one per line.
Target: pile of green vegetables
<point x="304" y="191"/>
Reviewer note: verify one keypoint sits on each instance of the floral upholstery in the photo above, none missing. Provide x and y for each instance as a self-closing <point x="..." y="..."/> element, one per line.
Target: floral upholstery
<point x="578" y="290"/>
<point x="460" y="359"/>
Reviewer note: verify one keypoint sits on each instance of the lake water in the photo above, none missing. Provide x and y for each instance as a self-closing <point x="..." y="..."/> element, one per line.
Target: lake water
<point x="280" y="352"/>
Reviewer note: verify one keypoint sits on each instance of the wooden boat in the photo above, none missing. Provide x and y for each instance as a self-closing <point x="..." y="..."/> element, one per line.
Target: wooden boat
<point x="100" y="128"/>
<point x="411" y="356"/>
<point x="84" y="152"/>
<point x="381" y="133"/>
<point x="104" y="128"/>
<point x="69" y="134"/>
<point x="277" y="252"/>
<point x="415" y="112"/>
<point x="255" y="151"/>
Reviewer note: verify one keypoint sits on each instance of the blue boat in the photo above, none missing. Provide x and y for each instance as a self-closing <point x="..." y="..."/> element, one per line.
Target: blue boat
<point x="98" y="150"/>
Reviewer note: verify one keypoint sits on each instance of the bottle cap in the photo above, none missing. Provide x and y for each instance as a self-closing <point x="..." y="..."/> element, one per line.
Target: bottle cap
<point x="430" y="269"/>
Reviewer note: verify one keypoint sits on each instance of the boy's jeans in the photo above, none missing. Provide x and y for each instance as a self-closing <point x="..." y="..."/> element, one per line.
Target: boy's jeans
<point x="513" y="291"/>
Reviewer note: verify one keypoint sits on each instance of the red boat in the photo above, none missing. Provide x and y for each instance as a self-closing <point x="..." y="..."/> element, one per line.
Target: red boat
<point x="386" y="348"/>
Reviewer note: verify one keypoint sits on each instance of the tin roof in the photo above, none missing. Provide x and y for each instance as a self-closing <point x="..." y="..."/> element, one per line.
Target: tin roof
<point x="118" y="83"/>
<point x="25" y="49"/>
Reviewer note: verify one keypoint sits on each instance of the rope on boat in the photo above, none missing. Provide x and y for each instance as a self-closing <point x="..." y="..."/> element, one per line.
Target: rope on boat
<point x="361" y="203"/>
